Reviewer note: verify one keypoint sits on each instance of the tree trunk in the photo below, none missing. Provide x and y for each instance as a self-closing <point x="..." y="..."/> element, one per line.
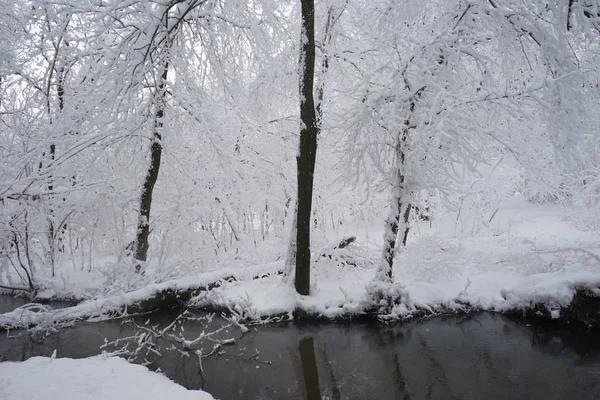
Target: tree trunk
<point x="398" y="209"/>
<point x="230" y="216"/>
<point x="308" y="148"/>
<point x="52" y="234"/>
<point x="143" y="230"/>
<point x="392" y="222"/>
<point x="392" y="227"/>
<point x="390" y="233"/>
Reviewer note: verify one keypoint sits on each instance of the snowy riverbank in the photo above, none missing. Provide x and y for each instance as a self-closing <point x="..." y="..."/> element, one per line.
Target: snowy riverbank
<point x="526" y="257"/>
<point x="96" y="378"/>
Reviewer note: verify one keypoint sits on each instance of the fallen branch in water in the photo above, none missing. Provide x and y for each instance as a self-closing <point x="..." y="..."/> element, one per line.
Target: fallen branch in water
<point x="148" y="342"/>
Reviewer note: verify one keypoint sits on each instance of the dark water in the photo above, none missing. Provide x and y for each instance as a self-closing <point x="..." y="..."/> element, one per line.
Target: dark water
<point x="9" y="303"/>
<point x="486" y="356"/>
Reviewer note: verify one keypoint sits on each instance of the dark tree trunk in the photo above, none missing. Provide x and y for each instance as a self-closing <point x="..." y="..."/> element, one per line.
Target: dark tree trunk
<point x="308" y="148"/>
<point x="143" y="230"/>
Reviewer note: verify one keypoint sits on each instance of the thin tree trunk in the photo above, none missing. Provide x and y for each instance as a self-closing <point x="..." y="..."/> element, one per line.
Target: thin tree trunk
<point x="23" y="267"/>
<point x="60" y="94"/>
<point x="399" y="208"/>
<point x="392" y="227"/>
<point x="51" y="229"/>
<point x="308" y="148"/>
<point x="143" y="230"/>
<point x="230" y="216"/>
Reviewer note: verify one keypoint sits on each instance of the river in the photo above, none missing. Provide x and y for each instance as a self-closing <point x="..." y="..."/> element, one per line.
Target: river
<point x="483" y="356"/>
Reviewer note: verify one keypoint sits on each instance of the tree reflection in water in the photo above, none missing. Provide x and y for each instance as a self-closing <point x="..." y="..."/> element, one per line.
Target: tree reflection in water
<point x="483" y="357"/>
<point x="310" y="372"/>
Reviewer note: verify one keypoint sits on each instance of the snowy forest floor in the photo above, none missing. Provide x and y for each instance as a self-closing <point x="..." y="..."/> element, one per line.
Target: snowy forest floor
<point x="521" y="256"/>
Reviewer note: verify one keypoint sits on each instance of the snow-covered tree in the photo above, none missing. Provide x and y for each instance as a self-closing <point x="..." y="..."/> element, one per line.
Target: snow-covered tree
<point x="438" y="86"/>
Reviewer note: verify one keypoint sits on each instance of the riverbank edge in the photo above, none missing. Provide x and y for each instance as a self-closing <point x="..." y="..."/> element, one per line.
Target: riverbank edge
<point x="583" y="309"/>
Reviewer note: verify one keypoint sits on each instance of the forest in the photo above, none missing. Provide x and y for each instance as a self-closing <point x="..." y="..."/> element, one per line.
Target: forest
<point x="273" y="199"/>
<point x="329" y="158"/>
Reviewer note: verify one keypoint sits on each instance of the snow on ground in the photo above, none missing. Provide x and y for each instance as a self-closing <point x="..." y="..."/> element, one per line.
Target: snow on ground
<point x="508" y="256"/>
<point x="526" y="254"/>
<point x="116" y="302"/>
<point x="96" y="378"/>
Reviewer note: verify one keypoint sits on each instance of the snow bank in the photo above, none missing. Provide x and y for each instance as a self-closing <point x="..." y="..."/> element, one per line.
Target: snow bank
<point x="41" y="378"/>
<point x="349" y="297"/>
<point x="118" y="302"/>
<point x="528" y="255"/>
<point x="553" y="289"/>
<point x="525" y="256"/>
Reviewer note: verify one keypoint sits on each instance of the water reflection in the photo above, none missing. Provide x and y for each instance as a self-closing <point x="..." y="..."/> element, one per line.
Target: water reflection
<point x="483" y="357"/>
<point x="310" y="373"/>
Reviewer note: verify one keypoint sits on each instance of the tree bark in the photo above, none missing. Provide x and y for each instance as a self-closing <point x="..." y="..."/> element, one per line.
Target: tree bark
<point x="143" y="230"/>
<point x="392" y="222"/>
<point x="400" y="207"/>
<point x="52" y="234"/>
<point x="308" y="148"/>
